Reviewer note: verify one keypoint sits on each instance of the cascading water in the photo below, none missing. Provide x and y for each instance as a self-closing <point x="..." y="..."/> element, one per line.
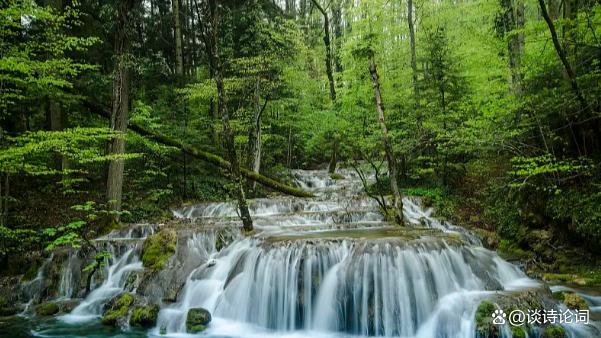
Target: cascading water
<point x="333" y="266"/>
<point x="116" y="275"/>
<point x="329" y="266"/>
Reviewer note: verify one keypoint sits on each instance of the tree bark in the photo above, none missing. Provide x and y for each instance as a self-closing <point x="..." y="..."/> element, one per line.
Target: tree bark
<point x="337" y="23"/>
<point x="413" y="55"/>
<point x="513" y="21"/>
<point x="330" y="74"/>
<point x="327" y="43"/>
<point x="228" y="134"/>
<point x="179" y="55"/>
<point x="390" y="158"/>
<point x="254" y="133"/>
<point x="120" y="110"/>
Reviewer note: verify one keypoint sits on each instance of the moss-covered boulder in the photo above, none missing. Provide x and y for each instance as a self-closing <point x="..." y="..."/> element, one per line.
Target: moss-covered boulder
<point x="115" y="312"/>
<point x="336" y="176"/>
<point x="484" y="320"/>
<point x="554" y="331"/>
<point x="7" y="309"/>
<point x="158" y="248"/>
<point x="574" y="301"/>
<point x="47" y="309"/>
<point x="144" y="316"/>
<point x="197" y="320"/>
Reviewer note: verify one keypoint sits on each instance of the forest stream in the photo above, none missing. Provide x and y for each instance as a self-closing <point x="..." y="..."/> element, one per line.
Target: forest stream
<point x="328" y="266"/>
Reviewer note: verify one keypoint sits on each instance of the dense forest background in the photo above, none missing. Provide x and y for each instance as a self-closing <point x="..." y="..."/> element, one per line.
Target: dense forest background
<point x="490" y="109"/>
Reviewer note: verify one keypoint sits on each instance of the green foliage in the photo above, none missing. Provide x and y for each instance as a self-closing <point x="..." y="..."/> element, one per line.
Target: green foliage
<point x="100" y="261"/>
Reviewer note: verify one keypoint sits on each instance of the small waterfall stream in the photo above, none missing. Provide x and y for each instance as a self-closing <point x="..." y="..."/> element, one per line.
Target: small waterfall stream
<point x="329" y="266"/>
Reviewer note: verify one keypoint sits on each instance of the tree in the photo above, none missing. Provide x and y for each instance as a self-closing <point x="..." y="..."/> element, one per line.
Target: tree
<point x="120" y="108"/>
<point x="390" y="158"/>
<point x="228" y="135"/>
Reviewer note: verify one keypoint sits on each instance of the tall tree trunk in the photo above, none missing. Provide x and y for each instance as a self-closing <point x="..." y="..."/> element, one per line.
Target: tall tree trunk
<point x="514" y="22"/>
<point x="390" y="158"/>
<point x="327" y="43"/>
<point x="179" y="55"/>
<point x="413" y="56"/>
<point x="120" y="110"/>
<point x="330" y="74"/>
<point x="228" y="135"/>
<point x="254" y="133"/>
<point x="337" y="23"/>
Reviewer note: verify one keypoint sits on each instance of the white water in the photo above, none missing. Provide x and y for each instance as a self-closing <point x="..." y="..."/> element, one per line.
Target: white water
<point x="328" y="266"/>
<point x="91" y="307"/>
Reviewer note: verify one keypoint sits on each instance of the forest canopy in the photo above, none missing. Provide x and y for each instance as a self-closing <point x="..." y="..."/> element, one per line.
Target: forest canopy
<point x="114" y="111"/>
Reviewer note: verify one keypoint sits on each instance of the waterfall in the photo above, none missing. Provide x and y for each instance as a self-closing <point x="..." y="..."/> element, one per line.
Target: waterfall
<point x="116" y="275"/>
<point x="328" y="266"/>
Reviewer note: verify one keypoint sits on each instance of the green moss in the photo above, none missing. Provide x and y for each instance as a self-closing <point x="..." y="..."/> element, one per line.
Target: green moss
<point x="484" y="324"/>
<point x="554" y="331"/>
<point x="158" y="248"/>
<point x="32" y="271"/>
<point x="336" y="176"/>
<point x="197" y="320"/>
<point x="144" y="316"/>
<point x="518" y="332"/>
<point x="118" y="309"/>
<point x="7" y="309"/>
<point x="574" y="301"/>
<point x="508" y="250"/>
<point x="46" y="309"/>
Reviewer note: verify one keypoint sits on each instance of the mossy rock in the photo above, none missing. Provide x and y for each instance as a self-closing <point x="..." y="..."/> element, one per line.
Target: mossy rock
<point x="197" y="320"/>
<point x="116" y="311"/>
<point x="32" y="271"/>
<point x="518" y="332"/>
<point x="484" y="320"/>
<point x="574" y="301"/>
<point x="336" y="176"/>
<point x="7" y="309"/>
<point x="144" y="316"/>
<point x="554" y="331"/>
<point x="47" y="309"/>
<point x="158" y="248"/>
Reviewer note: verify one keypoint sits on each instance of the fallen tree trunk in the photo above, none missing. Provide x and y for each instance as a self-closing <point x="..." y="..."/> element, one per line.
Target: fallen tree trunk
<point x="218" y="161"/>
<point x="206" y="156"/>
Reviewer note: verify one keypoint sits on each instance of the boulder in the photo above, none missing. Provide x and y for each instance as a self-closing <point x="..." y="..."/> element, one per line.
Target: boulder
<point x="7" y="309"/>
<point x="144" y="315"/>
<point x="197" y="320"/>
<point x="115" y="312"/>
<point x="574" y="301"/>
<point x="484" y="320"/>
<point x="158" y="248"/>
<point x="554" y="331"/>
<point x="46" y="309"/>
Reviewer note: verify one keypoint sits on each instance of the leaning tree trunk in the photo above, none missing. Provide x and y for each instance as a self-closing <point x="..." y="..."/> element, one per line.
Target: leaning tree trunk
<point x="390" y="158"/>
<point x="120" y="111"/>
<point x="228" y="135"/>
<point x="577" y="134"/>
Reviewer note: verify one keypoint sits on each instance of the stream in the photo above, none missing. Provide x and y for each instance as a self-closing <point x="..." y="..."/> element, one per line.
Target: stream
<point x="328" y="266"/>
